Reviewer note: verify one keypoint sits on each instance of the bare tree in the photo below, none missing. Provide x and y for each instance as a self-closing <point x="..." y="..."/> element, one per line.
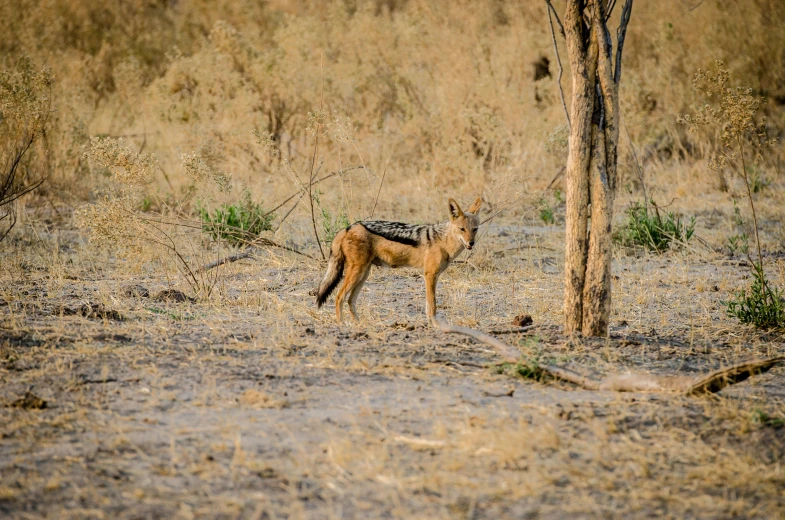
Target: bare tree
<point x="590" y="176"/>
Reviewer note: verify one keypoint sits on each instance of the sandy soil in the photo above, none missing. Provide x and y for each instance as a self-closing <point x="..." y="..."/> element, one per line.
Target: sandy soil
<point x="256" y="405"/>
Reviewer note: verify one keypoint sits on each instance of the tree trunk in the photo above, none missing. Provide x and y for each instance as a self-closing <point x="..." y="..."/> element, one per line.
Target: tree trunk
<point x="582" y="54"/>
<point x="591" y="164"/>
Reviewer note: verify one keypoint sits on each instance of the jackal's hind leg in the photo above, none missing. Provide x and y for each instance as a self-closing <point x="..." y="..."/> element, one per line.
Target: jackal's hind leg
<point x="339" y="298"/>
<point x="351" y="276"/>
<point x="356" y="291"/>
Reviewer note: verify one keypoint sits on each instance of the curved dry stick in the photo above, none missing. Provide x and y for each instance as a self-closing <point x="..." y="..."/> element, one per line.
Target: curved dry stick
<point x="633" y="382"/>
<point x="507" y="352"/>
<point x="719" y="379"/>
<point x="709" y="383"/>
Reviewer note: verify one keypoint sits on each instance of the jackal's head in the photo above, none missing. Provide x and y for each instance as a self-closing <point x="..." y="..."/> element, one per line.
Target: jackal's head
<point x="465" y="224"/>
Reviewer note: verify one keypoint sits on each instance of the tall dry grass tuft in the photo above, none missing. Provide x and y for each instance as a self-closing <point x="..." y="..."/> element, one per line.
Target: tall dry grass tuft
<point x="731" y="112"/>
<point x="25" y="114"/>
<point x="120" y="220"/>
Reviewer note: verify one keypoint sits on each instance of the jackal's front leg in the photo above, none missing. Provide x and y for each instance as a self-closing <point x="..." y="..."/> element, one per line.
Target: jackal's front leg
<point x="430" y="294"/>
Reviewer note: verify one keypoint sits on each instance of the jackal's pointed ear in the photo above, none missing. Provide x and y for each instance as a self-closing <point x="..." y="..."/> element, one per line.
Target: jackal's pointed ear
<point x="455" y="209"/>
<point x="475" y="206"/>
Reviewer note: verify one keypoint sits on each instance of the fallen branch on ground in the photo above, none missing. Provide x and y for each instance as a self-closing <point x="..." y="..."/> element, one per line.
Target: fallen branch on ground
<point x="633" y="382"/>
<point x="249" y="252"/>
<point x="507" y="352"/>
<point x="700" y="384"/>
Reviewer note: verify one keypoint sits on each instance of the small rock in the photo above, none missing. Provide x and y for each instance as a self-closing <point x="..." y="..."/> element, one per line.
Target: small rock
<point x="30" y="401"/>
<point x="173" y="295"/>
<point x="136" y="291"/>
<point x="267" y="473"/>
<point x="523" y="320"/>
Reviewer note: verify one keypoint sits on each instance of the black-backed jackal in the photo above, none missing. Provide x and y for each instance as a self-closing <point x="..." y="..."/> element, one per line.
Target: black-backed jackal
<point x="393" y="244"/>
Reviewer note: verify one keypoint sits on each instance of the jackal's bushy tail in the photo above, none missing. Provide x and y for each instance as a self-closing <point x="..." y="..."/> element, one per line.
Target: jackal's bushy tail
<point x="334" y="273"/>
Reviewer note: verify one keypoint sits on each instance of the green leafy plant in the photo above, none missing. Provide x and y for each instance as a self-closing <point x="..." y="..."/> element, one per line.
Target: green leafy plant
<point x="546" y="212"/>
<point x="332" y="224"/>
<point x="741" y="240"/>
<point x="652" y="230"/>
<point x="764" y="419"/>
<point x="236" y="223"/>
<point x="762" y="305"/>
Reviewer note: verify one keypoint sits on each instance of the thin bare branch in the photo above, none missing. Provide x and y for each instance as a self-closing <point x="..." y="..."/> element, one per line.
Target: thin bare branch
<point x="749" y="196"/>
<point x="609" y="9"/>
<point x="555" y="15"/>
<point x="556" y="177"/>
<point x="310" y="193"/>
<point x="637" y="164"/>
<point x="249" y="253"/>
<point x="558" y="58"/>
<point x="381" y="183"/>
<point x="313" y="164"/>
<point x="317" y="181"/>
<point x="621" y="33"/>
<point x="283" y="219"/>
<point x="22" y="192"/>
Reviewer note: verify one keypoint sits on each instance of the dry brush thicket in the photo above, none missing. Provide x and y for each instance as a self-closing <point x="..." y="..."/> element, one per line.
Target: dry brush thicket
<point x="144" y="375"/>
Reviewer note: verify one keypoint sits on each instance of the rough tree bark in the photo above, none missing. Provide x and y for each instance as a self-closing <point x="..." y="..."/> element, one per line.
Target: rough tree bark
<point x="590" y="176"/>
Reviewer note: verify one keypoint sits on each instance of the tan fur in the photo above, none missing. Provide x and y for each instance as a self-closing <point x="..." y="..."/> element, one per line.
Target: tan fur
<point x="359" y="249"/>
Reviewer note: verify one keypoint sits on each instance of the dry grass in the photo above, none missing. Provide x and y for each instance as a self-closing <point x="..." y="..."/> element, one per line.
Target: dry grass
<point x="254" y="403"/>
<point x="250" y="403"/>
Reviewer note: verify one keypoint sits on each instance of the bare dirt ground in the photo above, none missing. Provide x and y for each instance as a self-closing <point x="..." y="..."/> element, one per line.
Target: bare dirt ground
<point x="256" y="405"/>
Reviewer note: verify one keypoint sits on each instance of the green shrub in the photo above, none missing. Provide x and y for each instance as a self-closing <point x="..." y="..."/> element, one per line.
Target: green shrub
<point x="333" y="224"/>
<point x="652" y="230"/>
<point x="764" y="419"/>
<point x="236" y="223"/>
<point x="546" y="212"/>
<point x="763" y="306"/>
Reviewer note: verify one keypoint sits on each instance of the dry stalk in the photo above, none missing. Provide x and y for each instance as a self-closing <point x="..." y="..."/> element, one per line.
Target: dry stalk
<point x="313" y="164"/>
<point x="749" y="196"/>
<point x="310" y="193"/>
<point x="381" y="183"/>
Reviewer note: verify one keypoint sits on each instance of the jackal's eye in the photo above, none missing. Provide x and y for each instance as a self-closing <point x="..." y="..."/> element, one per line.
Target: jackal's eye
<point x="474" y="230"/>
<point x="463" y="230"/>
